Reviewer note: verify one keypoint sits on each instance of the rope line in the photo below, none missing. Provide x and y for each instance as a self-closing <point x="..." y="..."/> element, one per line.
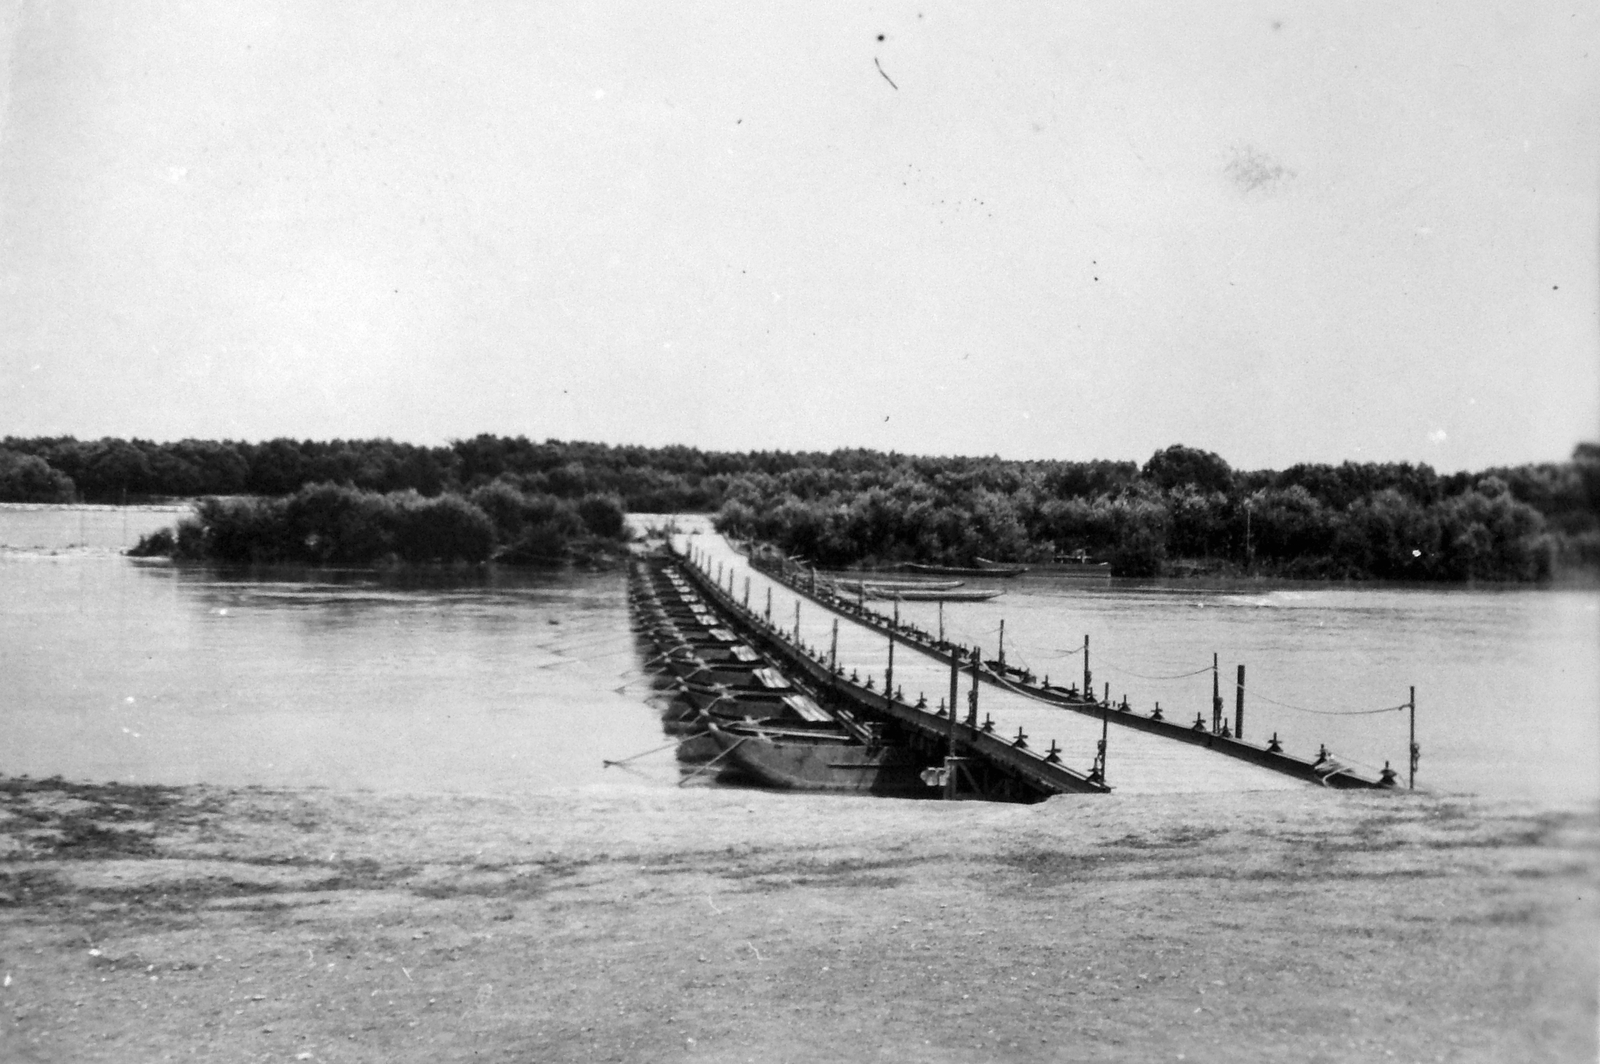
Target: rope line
<point x="1142" y="676"/>
<point x="1325" y="712"/>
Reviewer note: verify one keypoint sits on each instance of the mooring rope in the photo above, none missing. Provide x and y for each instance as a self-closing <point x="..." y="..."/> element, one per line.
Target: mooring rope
<point x="713" y="761"/>
<point x="652" y="750"/>
<point x="1142" y="676"/>
<point x="1322" y="712"/>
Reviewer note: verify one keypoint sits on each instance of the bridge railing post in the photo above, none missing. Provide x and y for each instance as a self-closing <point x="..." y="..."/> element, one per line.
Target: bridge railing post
<point x="1238" y="707"/>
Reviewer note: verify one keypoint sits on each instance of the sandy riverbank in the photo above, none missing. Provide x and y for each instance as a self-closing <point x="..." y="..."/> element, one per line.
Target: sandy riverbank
<point x="146" y="924"/>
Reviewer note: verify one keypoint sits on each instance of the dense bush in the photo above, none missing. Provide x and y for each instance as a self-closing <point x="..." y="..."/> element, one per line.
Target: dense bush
<point x="325" y="524"/>
<point x="27" y="478"/>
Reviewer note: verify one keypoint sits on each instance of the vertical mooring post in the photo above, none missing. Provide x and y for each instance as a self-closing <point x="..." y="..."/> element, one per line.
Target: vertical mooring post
<point x="796" y="622"/>
<point x="941" y="620"/>
<point x="1001" y="657"/>
<point x="972" y="695"/>
<point x="1416" y="752"/>
<point x="1238" y="707"/>
<point x="888" y="676"/>
<point x="769" y="607"/>
<point x="955" y="689"/>
<point x="747" y="594"/>
<point x="896" y="612"/>
<point x="833" y="648"/>
<point x="1100" y="753"/>
<point x="950" y="750"/>
<point x="1216" y="694"/>
<point x="1088" y="677"/>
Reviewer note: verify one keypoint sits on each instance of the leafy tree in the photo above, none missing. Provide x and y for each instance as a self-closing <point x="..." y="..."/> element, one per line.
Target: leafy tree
<point x="1179" y="466"/>
<point x="27" y="478"/>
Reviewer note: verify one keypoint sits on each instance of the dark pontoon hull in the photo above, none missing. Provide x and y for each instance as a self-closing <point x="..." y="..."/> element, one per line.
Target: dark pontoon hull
<point x="952" y="570"/>
<point x="822" y="761"/>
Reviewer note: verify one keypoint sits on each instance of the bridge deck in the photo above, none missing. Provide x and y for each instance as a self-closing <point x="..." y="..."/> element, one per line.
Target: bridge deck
<point x="1136" y="762"/>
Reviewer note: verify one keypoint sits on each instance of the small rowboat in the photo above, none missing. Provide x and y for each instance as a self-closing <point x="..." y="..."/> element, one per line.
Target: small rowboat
<point x="951" y="570"/>
<point x="873" y="591"/>
<point x="899" y="585"/>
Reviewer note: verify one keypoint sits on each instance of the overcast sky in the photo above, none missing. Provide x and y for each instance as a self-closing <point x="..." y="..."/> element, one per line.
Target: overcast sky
<point x="1285" y="233"/>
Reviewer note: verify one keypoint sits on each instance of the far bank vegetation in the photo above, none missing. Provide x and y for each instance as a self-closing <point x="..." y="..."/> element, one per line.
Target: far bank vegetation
<point x="1183" y="511"/>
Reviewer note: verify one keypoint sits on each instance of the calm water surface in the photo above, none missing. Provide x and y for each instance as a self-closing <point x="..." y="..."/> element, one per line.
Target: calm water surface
<point x="120" y="669"/>
<point x="123" y="669"/>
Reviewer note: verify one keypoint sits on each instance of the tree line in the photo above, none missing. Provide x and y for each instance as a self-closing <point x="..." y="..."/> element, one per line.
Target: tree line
<point x="1184" y="510"/>
<point x="1187" y="511"/>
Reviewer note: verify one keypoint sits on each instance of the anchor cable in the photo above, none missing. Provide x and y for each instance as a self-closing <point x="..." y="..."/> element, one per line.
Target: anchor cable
<point x="1142" y="676"/>
<point x="1324" y="712"/>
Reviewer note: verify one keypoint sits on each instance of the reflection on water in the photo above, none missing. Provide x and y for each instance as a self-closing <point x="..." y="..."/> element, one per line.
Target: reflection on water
<point x="510" y="680"/>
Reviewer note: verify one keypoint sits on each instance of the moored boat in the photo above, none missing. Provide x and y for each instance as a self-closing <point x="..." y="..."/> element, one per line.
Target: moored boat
<point x="825" y="758"/>
<point x="953" y="595"/>
<point x="955" y="570"/>
<point x="1077" y="564"/>
<point x="738" y="678"/>
<point x="897" y="585"/>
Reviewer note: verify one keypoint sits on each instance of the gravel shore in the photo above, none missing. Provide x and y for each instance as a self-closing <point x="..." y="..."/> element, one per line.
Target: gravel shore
<point x="151" y="923"/>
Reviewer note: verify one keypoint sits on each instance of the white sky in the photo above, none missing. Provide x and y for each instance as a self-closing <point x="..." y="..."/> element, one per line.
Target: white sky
<point x="1305" y="232"/>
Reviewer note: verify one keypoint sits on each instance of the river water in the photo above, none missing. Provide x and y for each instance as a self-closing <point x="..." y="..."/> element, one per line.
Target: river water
<point x="116" y="668"/>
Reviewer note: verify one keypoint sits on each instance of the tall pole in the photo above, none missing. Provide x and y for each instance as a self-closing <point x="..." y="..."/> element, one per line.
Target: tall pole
<point x="972" y="695"/>
<point x="1216" y="695"/>
<point x="941" y="620"/>
<point x="888" y="677"/>
<point x="1002" y="656"/>
<point x="896" y="612"/>
<point x="1414" y="751"/>
<point x="1088" y="677"/>
<point x="949" y="768"/>
<point x="747" y="594"/>
<point x="1238" y="708"/>
<point x="796" y="622"/>
<point x="1100" y="750"/>
<point x="833" y="648"/>
<point x="769" y="607"/>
